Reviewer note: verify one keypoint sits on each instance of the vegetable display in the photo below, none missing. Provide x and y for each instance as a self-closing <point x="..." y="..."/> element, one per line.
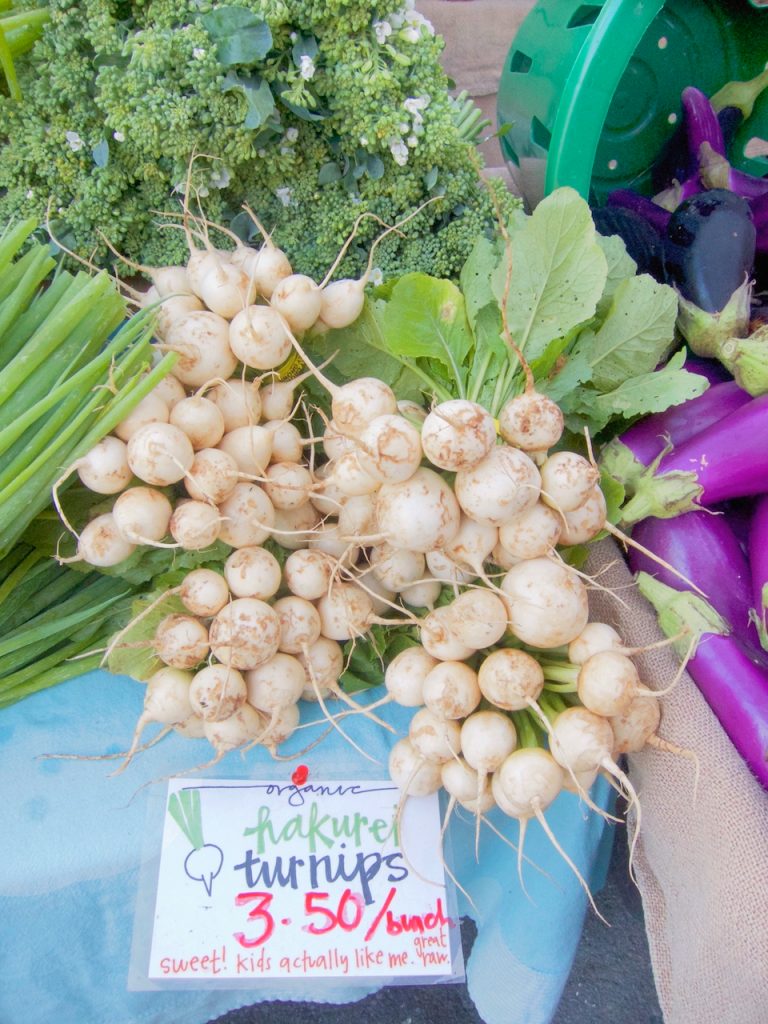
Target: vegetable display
<point x="350" y="418"/>
<point x="417" y="527"/>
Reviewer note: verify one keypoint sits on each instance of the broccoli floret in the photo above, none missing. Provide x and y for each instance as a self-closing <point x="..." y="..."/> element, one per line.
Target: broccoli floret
<point x="312" y="111"/>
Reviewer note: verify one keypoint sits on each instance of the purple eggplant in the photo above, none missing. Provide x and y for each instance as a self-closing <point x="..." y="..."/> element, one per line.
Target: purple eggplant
<point x="714" y="372"/>
<point x="679" y="159"/>
<point x="709" y="248"/>
<point x="759" y="208"/>
<point x="625" y="458"/>
<point x="652" y="213"/>
<point x="730" y="678"/>
<point x="758" y="563"/>
<point x="726" y="460"/>
<point x="642" y="240"/>
<point x="704" y="548"/>
<point x="701" y="124"/>
<point x="715" y="171"/>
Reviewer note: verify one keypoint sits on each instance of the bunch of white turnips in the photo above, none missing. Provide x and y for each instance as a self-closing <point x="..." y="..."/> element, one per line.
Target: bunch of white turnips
<point x="404" y="502"/>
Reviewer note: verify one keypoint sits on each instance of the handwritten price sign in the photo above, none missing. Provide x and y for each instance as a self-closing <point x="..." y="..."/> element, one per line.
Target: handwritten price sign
<point x="268" y="880"/>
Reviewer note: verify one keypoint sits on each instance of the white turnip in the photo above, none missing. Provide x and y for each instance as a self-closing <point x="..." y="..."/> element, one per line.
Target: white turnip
<point x="258" y="338"/>
<point x="253" y="572"/>
<point x="547" y="602"/>
<point x="248" y="516"/>
<point x="216" y="692"/>
<point x="105" y="468"/>
<point x="502" y="485"/>
<point x="160" y="454"/>
<point x="202" y="340"/>
<point x="142" y="515"/>
<point x="532" y="422"/>
<point x="181" y="641"/>
<point x="457" y="434"/>
<point x="195" y="525"/>
<point x="245" y="633"/>
<point x="200" y="419"/>
<point x="212" y="476"/>
<point x="151" y="409"/>
<point x="420" y="514"/>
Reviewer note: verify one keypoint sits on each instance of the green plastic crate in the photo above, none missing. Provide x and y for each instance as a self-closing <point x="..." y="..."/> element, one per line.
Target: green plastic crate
<point x="594" y="88"/>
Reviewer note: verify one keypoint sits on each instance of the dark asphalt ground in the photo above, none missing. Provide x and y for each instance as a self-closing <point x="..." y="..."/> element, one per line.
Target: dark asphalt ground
<point x="611" y="981"/>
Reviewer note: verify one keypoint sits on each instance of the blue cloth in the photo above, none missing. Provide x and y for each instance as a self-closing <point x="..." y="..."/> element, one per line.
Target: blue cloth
<point x="71" y="843"/>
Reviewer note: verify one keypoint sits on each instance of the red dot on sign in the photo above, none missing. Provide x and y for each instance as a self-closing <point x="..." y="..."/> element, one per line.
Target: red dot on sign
<point x="286" y="920"/>
<point x="300" y="776"/>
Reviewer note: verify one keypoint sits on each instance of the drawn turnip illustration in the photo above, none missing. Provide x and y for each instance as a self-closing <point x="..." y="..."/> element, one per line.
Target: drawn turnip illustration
<point x="204" y="861"/>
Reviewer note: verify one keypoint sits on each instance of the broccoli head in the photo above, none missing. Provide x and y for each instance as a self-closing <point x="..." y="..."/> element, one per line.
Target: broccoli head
<point x="311" y="111"/>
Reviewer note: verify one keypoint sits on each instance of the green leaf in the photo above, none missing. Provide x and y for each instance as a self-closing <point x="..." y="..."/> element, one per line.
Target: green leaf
<point x="328" y="173"/>
<point x="576" y="370"/>
<point x="240" y="36"/>
<point x="305" y="46"/>
<point x="559" y="272"/>
<point x="359" y="351"/>
<point x="134" y="652"/>
<point x="100" y="153"/>
<point x="645" y="393"/>
<point x="475" y="277"/>
<point x="614" y="494"/>
<point x="430" y="178"/>
<point x="375" y="167"/>
<point x="426" y="318"/>
<point x="620" y="266"/>
<point x="258" y="96"/>
<point x="635" y="335"/>
<point x="366" y="659"/>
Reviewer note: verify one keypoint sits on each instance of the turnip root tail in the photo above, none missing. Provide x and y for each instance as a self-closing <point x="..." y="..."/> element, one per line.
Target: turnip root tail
<point x="523" y="822"/>
<point x="513" y="846"/>
<point x="672" y="748"/>
<point x="57" y="504"/>
<point x="655" y="646"/>
<point x="627" y="541"/>
<point x="536" y="805"/>
<point x="304" y="750"/>
<point x="443" y="828"/>
<point x="592" y="583"/>
<point x="614" y="770"/>
<point x="331" y="718"/>
<point x="106" y="757"/>
<point x="144" y="719"/>
<point x="643" y="691"/>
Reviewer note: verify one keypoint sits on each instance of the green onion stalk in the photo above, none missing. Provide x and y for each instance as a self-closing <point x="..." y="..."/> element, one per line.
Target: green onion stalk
<point x="71" y="368"/>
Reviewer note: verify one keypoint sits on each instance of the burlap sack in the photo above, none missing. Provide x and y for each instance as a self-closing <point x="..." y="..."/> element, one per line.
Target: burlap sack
<point x="702" y="867"/>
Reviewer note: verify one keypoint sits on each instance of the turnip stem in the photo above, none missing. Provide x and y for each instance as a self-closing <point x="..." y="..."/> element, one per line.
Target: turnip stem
<point x="560" y="673"/>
